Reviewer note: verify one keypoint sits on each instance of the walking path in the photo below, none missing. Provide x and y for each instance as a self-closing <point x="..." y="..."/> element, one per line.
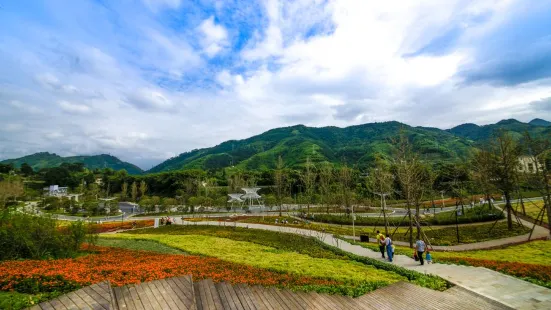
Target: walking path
<point x="505" y="289"/>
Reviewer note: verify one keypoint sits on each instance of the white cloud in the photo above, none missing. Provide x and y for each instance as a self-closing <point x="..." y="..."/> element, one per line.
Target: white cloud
<point x="150" y="99"/>
<point x="74" y="108"/>
<point x="214" y="37"/>
<point x="156" y="5"/>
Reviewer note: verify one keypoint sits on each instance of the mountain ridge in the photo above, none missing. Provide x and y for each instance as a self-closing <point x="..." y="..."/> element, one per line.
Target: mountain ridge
<point x="49" y="160"/>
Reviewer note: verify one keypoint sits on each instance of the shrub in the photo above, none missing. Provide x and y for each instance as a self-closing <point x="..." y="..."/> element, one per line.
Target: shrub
<point x="26" y="236"/>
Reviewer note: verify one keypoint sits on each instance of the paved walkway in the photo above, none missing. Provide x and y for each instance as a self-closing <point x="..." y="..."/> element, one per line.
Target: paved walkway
<point x="505" y="289"/>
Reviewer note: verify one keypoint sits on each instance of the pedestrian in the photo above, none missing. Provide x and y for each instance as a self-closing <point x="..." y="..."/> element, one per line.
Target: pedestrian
<point x="420" y="249"/>
<point x="388" y="244"/>
<point x="429" y="258"/>
<point x="381" y="242"/>
<point x="162" y="220"/>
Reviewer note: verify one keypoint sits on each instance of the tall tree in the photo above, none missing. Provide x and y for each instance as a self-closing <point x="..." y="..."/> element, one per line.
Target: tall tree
<point x="280" y="178"/>
<point x="143" y="188"/>
<point x="134" y="191"/>
<point x="325" y="180"/>
<point x="539" y="150"/>
<point x="124" y="191"/>
<point x="308" y="177"/>
<point x="481" y="168"/>
<point x="409" y="173"/>
<point x="26" y="169"/>
<point x="505" y="152"/>
<point x="379" y="181"/>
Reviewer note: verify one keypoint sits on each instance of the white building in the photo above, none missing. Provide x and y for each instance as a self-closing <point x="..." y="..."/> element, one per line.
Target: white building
<point x="527" y="164"/>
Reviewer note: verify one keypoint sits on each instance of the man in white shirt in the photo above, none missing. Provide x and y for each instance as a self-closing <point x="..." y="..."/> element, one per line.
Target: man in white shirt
<point x="420" y="248"/>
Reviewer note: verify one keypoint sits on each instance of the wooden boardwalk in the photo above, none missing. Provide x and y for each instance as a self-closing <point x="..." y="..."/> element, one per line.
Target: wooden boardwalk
<point x="181" y="293"/>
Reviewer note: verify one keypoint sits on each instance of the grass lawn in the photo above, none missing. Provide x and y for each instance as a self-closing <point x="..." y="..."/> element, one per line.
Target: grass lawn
<point x="265" y="257"/>
<point x="533" y="210"/>
<point x="144" y="245"/>
<point x="15" y="300"/>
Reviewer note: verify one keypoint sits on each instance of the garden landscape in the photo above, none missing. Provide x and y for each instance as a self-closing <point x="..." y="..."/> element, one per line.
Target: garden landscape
<point x="271" y="154"/>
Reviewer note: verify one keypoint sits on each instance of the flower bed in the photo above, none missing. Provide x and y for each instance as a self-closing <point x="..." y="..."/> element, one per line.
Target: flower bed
<point x="538" y="274"/>
<point x="123" y="267"/>
<point x="114" y="226"/>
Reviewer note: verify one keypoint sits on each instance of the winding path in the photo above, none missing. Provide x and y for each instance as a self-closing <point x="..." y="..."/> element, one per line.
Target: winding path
<point x="505" y="289"/>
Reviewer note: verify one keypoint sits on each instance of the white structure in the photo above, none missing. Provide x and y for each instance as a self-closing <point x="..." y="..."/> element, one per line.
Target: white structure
<point x="527" y="164"/>
<point x="251" y="196"/>
<point x="56" y="190"/>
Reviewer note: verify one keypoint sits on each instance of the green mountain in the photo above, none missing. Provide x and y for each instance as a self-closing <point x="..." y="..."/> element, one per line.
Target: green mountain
<point x="540" y="122"/>
<point x="356" y="145"/>
<point x="48" y="160"/>
<point x="481" y="133"/>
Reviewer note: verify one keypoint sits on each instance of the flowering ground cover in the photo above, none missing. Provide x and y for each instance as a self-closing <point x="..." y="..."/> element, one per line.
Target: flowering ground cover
<point x="271" y="258"/>
<point x="114" y="226"/>
<point x="533" y="210"/>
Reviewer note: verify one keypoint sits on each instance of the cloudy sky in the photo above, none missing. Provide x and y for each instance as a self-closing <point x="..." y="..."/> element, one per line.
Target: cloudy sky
<point x="145" y="80"/>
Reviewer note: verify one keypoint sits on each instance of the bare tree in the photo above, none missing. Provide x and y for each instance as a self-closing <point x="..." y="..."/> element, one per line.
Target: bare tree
<point x="10" y="189"/>
<point x="481" y="169"/>
<point x="409" y="173"/>
<point x="504" y="152"/>
<point x="308" y="177"/>
<point x="539" y="149"/>
<point x="325" y="180"/>
<point x="280" y="178"/>
<point x="379" y="182"/>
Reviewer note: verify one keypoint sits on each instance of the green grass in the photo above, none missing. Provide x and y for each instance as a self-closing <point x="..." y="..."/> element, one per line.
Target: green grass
<point x="144" y="245"/>
<point x="536" y="252"/>
<point x="16" y="301"/>
<point x="281" y="241"/>
<point x="472" y="215"/>
<point x="271" y="258"/>
<point x="299" y="244"/>
<point x="533" y="210"/>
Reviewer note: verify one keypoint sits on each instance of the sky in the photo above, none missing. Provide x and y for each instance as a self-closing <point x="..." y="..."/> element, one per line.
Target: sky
<point x="145" y="80"/>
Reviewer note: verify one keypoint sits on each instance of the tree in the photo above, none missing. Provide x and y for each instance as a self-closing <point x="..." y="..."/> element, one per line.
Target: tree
<point x="379" y="182"/>
<point x="280" y="178"/>
<point x="539" y="150"/>
<point x="134" y="191"/>
<point x="409" y="173"/>
<point x="325" y="180"/>
<point x="10" y="189"/>
<point x="26" y="169"/>
<point x="124" y="191"/>
<point x="481" y="169"/>
<point x="504" y="153"/>
<point x="143" y="188"/>
<point x="308" y="177"/>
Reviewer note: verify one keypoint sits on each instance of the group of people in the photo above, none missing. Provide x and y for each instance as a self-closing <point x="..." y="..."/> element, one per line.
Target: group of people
<point x="387" y="246"/>
<point x="167" y="220"/>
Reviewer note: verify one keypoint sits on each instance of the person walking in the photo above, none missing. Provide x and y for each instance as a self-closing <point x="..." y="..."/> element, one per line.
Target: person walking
<point x="388" y="244"/>
<point x="420" y="248"/>
<point x="381" y="241"/>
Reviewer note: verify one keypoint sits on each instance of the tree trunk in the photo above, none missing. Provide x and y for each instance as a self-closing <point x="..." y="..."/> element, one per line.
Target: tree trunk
<point x="509" y="208"/>
<point x="410" y="227"/>
<point x="417" y="210"/>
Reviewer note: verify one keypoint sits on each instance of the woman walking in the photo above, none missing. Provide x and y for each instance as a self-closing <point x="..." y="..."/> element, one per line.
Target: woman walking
<point x="389" y="251"/>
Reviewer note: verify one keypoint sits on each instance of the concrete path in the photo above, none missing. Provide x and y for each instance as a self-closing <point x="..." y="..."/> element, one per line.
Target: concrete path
<point x="505" y="289"/>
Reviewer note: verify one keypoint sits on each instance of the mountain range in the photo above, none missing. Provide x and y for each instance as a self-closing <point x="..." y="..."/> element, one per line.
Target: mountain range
<point x="355" y="145"/>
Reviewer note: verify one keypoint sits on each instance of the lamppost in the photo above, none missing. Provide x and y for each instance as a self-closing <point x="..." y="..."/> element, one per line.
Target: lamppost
<point x="442" y="195"/>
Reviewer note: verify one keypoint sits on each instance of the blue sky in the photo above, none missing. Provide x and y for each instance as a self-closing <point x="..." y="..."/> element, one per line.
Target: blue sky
<point x="145" y="80"/>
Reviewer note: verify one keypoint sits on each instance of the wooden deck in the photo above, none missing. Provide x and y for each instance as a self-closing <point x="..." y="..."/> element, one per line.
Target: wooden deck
<point x="181" y="293"/>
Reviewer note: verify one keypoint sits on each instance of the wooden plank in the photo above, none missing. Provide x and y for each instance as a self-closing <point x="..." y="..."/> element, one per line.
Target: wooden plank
<point x="57" y="304"/>
<point x="298" y="304"/>
<point x="232" y="294"/>
<point x="145" y="289"/>
<point x="79" y="302"/>
<point x="130" y="302"/>
<point x="138" y="304"/>
<point x="99" y="291"/>
<point x="226" y="300"/>
<point x="166" y="295"/>
<point x="179" y="294"/>
<point x="282" y="299"/>
<point x="198" y="295"/>
<point x="243" y="298"/>
<point x="89" y="300"/>
<point x="119" y="299"/>
<point x="214" y="294"/>
<point x="35" y="307"/>
<point x="173" y="295"/>
<point x="261" y="298"/>
<point x="46" y="306"/>
<point x="251" y="299"/>
<point x="99" y="299"/>
<point x="144" y="297"/>
<point x="307" y="300"/>
<point x="274" y="302"/>
<point x="158" y="295"/>
<point x="68" y="303"/>
<point x="186" y="290"/>
<point x="208" y="302"/>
